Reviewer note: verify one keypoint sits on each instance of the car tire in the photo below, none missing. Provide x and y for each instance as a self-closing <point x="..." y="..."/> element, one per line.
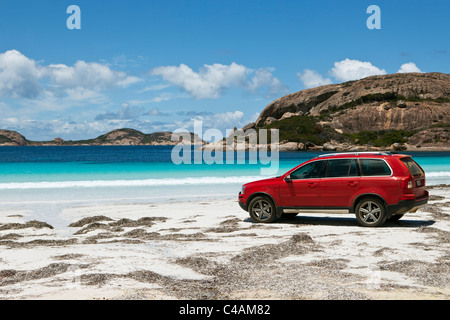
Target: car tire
<point x="262" y="210"/>
<point x="370" y="212"/>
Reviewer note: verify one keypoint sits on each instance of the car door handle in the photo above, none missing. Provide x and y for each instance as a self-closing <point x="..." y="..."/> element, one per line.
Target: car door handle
<point x="312" y="184"/>
<point x="352" y="184"/>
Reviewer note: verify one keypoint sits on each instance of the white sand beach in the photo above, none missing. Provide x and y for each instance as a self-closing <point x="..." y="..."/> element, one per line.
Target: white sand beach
<point x="212" y="250"/>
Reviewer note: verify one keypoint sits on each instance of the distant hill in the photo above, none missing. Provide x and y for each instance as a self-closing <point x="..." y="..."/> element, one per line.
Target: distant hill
<point x="12" y="138"/>
<point x="410" y="110"/>
<point x="116" y="137"/>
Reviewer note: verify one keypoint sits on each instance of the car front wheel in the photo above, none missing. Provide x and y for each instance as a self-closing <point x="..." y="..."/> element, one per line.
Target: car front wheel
<point x="262" y="209"/>
<point x="370" y="212"/>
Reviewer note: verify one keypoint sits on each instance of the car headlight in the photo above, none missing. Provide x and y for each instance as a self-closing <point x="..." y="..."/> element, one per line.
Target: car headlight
<point x="242" y="190"/>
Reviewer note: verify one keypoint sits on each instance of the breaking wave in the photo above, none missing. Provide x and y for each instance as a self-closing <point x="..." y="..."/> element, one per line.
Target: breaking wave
<point x="129" y="183"/>
<point x="438" y="174"/>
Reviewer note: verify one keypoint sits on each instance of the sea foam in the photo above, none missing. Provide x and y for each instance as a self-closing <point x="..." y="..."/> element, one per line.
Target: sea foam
<point x="130" y="183"/>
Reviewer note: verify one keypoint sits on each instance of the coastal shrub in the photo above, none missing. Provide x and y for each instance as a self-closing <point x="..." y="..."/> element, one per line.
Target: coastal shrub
<point x="373" y="97"/>
<point x="441" y="125"/>
<point x="417" y="99"/>
<point x="381" y="138"/>
<point x="440" y="100"/>
<point x="298" y="129"/>
<point x="4" y="139"/>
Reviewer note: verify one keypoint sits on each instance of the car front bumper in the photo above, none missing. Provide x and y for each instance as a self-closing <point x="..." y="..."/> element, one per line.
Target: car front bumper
<point x="241" y="202"/>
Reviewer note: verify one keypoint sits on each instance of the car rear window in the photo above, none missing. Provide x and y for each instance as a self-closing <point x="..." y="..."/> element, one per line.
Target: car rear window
<point x="412" y="166"/>
<point x="374" y="167"/>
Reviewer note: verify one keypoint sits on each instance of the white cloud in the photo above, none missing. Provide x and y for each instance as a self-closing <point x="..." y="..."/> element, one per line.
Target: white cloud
<point x="155" y="112"/>
<point x="222" y="122"/>
<point x="347" y="70"/>
<point x="312" y="79"/>
<point x="126" y="112"/>
<point x="89" y="75"/>
<point x="219" y="121"/>
<point x="19" y="76"/>
<point x="22" y="77"/>
<point x="212" y="80"/>
<point x="408" y="67"/>
<point x="79" y="94"/>
<point x="209" y="82"/>
<point x="264" y="78"/>
<point x="254" y="117"/>
<point x="155" y="87"/>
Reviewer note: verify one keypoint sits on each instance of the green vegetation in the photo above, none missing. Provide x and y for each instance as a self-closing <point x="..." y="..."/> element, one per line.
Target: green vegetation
<point x="153" y="137"/>
<point x="374" y="97"/>
<point x="384" y="97"/>
<point x="441" y="125"/>
<point x="305" y="129"/>
<point x="440" y="100"/>
<point x="381" y="138"/>
<point x="4" y="139"/>
<point x="417" y="99"/>
<point x="298" y="129"/>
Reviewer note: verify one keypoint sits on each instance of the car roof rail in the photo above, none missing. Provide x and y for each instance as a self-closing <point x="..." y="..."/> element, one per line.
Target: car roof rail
<point x="381" y="153"/>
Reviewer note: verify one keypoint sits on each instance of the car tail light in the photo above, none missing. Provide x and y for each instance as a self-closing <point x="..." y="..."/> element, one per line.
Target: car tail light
<point x="407" y="183"/>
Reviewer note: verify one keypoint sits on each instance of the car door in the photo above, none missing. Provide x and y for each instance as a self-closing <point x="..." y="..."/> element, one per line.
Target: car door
<point x="301" y="189"/>
<point x="374" y="179"/>
<point x="340" y="183"/>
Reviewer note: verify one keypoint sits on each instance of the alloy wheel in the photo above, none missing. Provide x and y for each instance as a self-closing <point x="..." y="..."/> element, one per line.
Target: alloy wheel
<point x="262" y="210"/>
<point x="370" y="212"/>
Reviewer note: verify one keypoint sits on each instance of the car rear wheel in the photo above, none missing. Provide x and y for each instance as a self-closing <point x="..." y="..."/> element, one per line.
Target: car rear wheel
<point x="370" y="212"/>
<point x="262" y="209"/>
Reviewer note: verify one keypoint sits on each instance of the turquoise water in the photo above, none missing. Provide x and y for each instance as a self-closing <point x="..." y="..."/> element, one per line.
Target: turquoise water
<point x="56" y="167"/>
<point x="42" y="179"/>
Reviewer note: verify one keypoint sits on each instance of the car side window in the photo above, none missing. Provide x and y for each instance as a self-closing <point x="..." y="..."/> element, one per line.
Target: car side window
<point x="308" y="171"/>
<point x="341" y="168"/>
<point x="374" y="167"/>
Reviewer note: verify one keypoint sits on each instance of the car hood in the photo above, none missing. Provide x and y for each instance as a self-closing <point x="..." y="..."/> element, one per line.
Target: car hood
<point x="268" y="180"/>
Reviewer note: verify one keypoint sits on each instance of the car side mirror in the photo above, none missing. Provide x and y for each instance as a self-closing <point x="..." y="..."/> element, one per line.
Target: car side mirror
<point x="288" y="178"/>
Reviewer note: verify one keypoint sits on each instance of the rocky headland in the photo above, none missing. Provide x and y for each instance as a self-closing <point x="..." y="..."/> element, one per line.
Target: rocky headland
<point x="409" y="111"/>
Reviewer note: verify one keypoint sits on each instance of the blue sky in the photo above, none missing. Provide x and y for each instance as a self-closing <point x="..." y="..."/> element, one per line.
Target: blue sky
<point x="158" y="65"/>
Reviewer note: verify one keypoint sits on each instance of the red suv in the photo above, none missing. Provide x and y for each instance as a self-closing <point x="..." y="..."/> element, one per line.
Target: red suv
<point x="376" y="186"/>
